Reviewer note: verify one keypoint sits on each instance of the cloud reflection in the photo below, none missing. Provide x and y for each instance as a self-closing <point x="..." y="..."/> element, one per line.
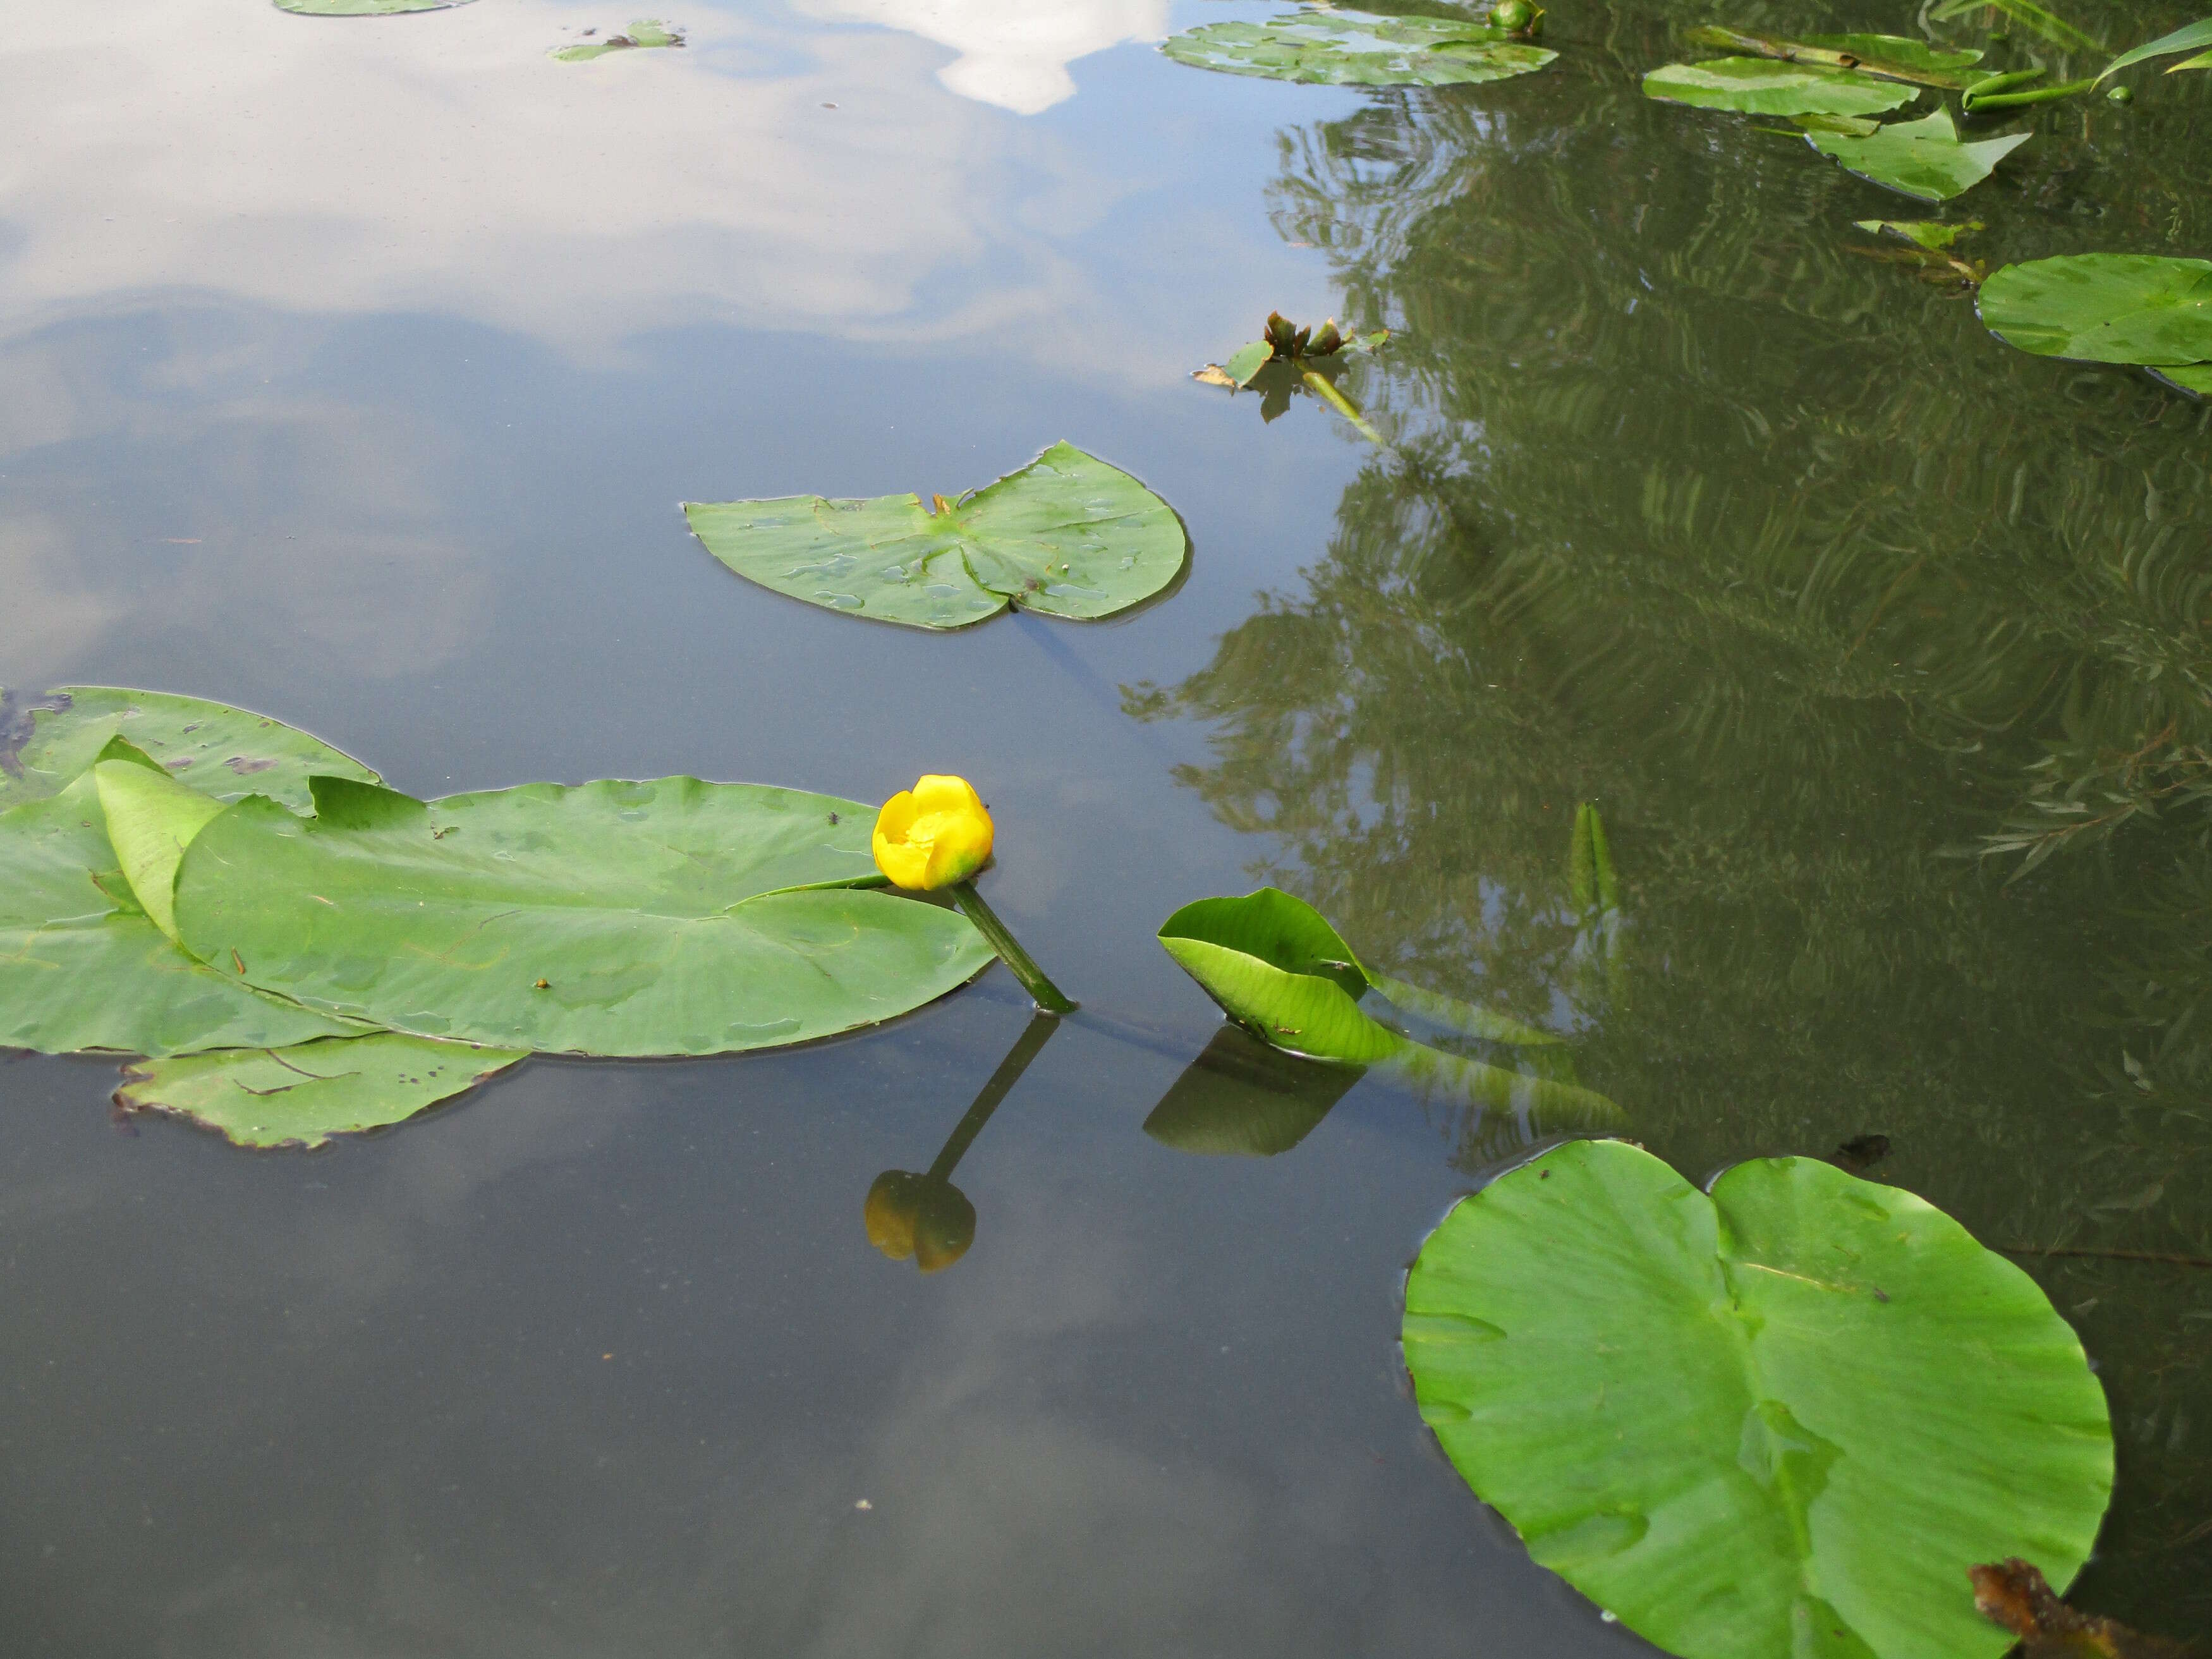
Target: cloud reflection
<point x="775" y="171"/>
<point x="1013" y="53"/>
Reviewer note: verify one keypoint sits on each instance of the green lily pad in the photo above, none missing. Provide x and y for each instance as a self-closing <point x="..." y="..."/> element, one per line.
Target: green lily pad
<point x="2190" y="377"/>
<point x="82" y="968"/>
<point x="644" y="34"/>
<point x="2188" y="38"/>
<point x="672" y="917"/>
<point x="47" y="740"/>
<point x="1882" y="57"/>
<point x="302" y="1096"/>
<point x="1897" y="51"/>
<point x="2105" y="308"/>
<point x="363" y="8"/>
<point x="1783" y="1419"/>
<point x="1933" y="235"/>
<point x="1763" y="86"/>
<point x="1068" y="535"/>
<point x="1922" y="158"/>
<point x="1353" y="48"/>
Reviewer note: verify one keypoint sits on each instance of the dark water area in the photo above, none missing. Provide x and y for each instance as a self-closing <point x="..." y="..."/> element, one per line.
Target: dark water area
<point x="352" y="370"/>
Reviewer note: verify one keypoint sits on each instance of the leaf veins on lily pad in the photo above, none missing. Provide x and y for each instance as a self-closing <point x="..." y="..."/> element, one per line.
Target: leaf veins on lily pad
<point x="1924" y="158"/>
<point x="1762" y="86"/>
<point x="1354" y="48"/>
<point x="1066" y="535"/>
<point x="1721" y="1417"/>
<point x="303" y="1094"/>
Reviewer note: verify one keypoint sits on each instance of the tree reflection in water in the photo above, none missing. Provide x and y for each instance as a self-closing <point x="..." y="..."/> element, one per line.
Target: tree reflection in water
<point x="1771" y="551"/>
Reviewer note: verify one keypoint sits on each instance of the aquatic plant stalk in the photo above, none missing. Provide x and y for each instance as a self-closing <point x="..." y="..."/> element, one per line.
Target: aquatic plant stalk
<point x="1046" y="995"/>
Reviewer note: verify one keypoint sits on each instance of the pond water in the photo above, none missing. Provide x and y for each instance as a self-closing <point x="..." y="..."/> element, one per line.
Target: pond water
<point x="352" y="370"/>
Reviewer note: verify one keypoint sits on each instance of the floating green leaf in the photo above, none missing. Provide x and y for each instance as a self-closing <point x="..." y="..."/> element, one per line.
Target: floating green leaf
<point x="1933" y="235"/>
<point x="2105" y="308"/>
<point x="302" y="1096"/>
<point x="672" y="917"/>
<point x="1763" y="86"/>
<point x="363" y="8"/>
<point x="1066" y="535"/>
<point x="1786" y="1419"/>
<point x="1353" y="48"/>
<point x="1285" y="342"/>
<point x="81" y="966"/>
<point x="647" y="32"/>
<point x="46" y="741"/>
<point x="1884" y="57"/>
<point x="2189" y="37"/>
<point x="1922" y="158"/>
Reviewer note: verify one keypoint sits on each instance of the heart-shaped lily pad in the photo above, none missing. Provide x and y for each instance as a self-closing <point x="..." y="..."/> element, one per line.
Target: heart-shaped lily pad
<point x="669" y="917"/>
<point x="2105" y="308"/>
<point x="1068" y="535"/>
<point x="1354" y="48"/>
<point x="1785" y="1419"/>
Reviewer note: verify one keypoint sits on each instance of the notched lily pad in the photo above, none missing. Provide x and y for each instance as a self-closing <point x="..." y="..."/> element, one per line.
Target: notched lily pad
<point x="1066" y="535"/>
<point x="1762" y="86"/>
<point x="1924" y="158"/>
<point x="302" y="1096"/>
<point x="1353" y="48"/>
<point x="1721" y="1418"/>
<point x="645" y="33"/>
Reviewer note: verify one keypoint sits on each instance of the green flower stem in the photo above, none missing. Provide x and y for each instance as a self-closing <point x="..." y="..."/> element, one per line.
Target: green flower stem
<point x="1323" y="389"/>
<point x="1046" y="995"/>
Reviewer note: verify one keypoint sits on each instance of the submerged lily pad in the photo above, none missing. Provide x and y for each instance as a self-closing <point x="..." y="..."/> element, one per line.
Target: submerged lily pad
<point x="672" y="917"/>
<point x="363" y="8"/>
<point x="2105" y="308"/>
<point x="1922" y="158"/>
<point x="47" y="740"/>
<point x="82" y="968"/>
<point x="1066" y="535"/>
<point x="1765" y="86"/>
<point x="1354" y="48"/>
<point x="1785" y="1419"/>
<point x="302" y="1096"/>
<point x="1933" y="235"/>
<point x="644" y="34"/>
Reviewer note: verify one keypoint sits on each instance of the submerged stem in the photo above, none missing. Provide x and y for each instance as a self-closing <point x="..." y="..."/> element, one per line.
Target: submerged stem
<point x="1046" y="995"/>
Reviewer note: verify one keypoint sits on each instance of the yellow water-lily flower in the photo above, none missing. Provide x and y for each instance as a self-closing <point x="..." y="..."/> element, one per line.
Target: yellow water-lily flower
<point x="933" y="834"/>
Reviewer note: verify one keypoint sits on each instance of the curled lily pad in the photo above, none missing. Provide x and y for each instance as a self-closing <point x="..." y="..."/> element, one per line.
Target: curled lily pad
<point x="48" y="739"/>
<point x="2105" y="308"/>
<point x="1354" y="48"/>
<point x="302" y="1096"/>
<point x="1784" y="1418"/>
<point x="645" y="33"/>
<point x="1762" y="86"/>
<point x="670" y="917"/>
<point x="82" y="968"/>
<point x="1068" y="535"/>
<point x="1922" y="158"/>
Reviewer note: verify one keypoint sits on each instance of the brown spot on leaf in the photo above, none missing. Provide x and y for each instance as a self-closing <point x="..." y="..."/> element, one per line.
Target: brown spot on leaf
<point x="16" y="726"/>
<point x="243" y="767"/>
